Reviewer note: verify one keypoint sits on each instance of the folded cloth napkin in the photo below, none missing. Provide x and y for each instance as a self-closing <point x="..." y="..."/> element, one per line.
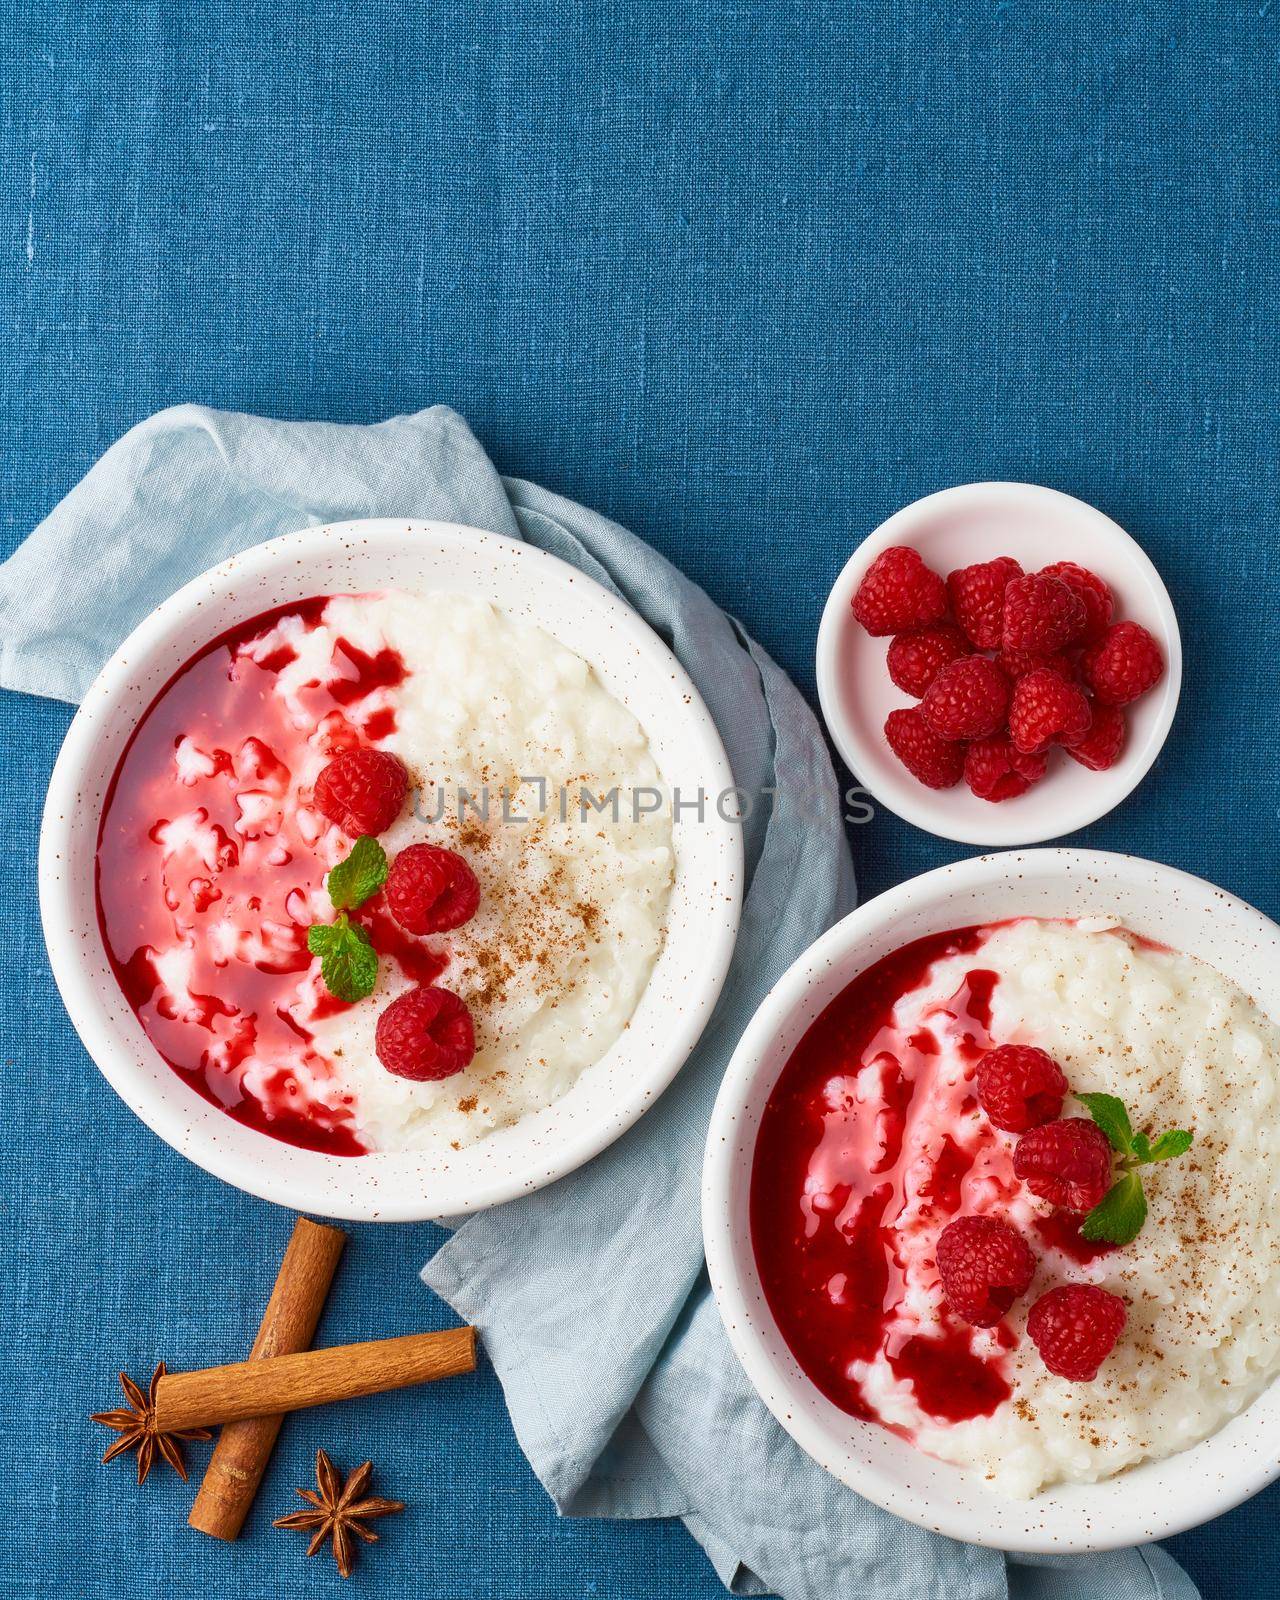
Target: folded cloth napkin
<point x="591" y="1295"/>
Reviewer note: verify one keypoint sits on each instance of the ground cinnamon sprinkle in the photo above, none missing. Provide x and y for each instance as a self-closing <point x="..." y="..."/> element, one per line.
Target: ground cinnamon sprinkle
<point x="474" y="836"/>
<point x="541" y="920"/>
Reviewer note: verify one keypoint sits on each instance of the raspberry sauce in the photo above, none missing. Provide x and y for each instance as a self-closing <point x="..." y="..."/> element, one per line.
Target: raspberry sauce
<point x="862" y="1155"/>
<point x="211" y="865"/>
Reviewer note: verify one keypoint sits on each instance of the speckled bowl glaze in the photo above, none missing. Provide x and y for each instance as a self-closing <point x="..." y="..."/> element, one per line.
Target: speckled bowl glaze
<point x="976" y="522"/>
<point x="1148" y="1502"/>
<point x="702" y="922"/>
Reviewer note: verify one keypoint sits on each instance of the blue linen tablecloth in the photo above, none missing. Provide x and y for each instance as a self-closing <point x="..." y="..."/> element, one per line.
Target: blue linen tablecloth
<point x="744" y="279"/>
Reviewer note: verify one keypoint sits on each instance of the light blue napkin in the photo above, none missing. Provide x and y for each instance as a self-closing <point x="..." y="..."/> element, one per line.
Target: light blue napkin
<point x="591" y="1296"/>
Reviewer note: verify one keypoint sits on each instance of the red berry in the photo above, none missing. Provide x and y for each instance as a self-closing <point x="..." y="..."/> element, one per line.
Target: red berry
<point x="1125" y="663"/>
<point x="1045" y="709"/>
<point x="898" y="593"/>
<point x="1075" y="1328"/>
<point x="1101" y="746"/>
<point x="363" y="790"/>
<point x="937" y="763"/>
<point x="1099" y="602"/>
<point x="1016" y="664"/>
<point x="977" y="599"/>
<point x="425" y="1034"/>
<point x="430" y="890"/>
<point x="984" y="1265"/>
<point x="969" y="699"/>
<point x="916" y="659"/>
<point x="1020" y="1087"/>
<point x="1067" y="1163"/>
<point x="995" y="771"/>
<point x="1041" y="615"/>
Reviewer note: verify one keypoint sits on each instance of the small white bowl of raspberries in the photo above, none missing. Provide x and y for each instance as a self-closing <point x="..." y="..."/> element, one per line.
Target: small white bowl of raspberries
<point x="999" y="663"/>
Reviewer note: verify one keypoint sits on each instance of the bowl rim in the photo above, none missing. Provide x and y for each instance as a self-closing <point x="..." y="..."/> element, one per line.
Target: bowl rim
<point x="181" y="1120"/>
<point x="941" y="1513"/>
<point x="999" y="826"/>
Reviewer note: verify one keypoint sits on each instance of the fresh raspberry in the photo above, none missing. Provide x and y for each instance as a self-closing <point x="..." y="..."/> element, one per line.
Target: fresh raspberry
<point x="1099" y="602"/>
<point x="995" y="771"/>
<point x="430" y="890"/>
<point x="1020" y="1087"/>
<point x="1125" y="663"/>
<point x="977" y="599"/>
<point x="1075" y="1328"/>
<point x="916" y="659"/>
<point x="967" y="700"/>
<point x="425" y="1034"/>
<point x="1045" y="709"/>
<point x="1101" y="746"/>
<point x="1016" y="664"/>
<point x="1041" y="615"/>
<point x="899" y="593"/>
<point x="937" y="763"/>
<point x="1067" y="1163"/>
<point x="363" y="790"/>
<point x="984" y="1265"/>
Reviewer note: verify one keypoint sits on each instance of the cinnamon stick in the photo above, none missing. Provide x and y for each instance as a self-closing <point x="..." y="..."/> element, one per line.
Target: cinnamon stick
<point x="310" y="1378"/>
<point x="288" y="1324"/>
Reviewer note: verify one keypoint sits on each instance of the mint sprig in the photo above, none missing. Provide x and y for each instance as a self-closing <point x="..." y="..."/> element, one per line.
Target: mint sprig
<point x="1119" y="1215"/>
<point x="348" y="962"/>
<point x="361" y="875"/>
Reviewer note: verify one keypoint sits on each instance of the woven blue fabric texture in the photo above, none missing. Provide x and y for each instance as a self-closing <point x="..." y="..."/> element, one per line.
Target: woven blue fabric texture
<point x="744" y="278"/>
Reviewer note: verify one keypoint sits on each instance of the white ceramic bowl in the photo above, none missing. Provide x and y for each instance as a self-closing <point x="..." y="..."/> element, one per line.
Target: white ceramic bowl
<point x="1148" y="1502"/>
<point x="703" y="919"/>
<point x="975" y="522"/>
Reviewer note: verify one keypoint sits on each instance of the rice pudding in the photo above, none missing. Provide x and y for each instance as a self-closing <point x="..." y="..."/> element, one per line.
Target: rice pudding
<point x="213" y="855"/>
<point x="873" y="1141"/>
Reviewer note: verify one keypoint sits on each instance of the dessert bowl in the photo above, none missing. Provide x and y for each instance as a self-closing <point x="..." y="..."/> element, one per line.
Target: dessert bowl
<point x="953" y="528"/>
<point x="529" y="587"/>
<point x="1147" y="1501"/>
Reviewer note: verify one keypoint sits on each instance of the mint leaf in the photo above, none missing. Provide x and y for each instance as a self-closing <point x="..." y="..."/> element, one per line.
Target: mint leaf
<point x="1141" y="1149"/>
<point x="1111" y="1116"/>
<point x="348" y="962"/>
<point x="1174" y="1143"/>
<point x="1119" y="1214"/>
<point x="362" y="874"/>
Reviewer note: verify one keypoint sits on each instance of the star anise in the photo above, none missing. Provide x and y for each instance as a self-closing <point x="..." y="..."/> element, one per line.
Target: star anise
<point x="338" y="1511"/>
<point x="137" y="1429"/>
